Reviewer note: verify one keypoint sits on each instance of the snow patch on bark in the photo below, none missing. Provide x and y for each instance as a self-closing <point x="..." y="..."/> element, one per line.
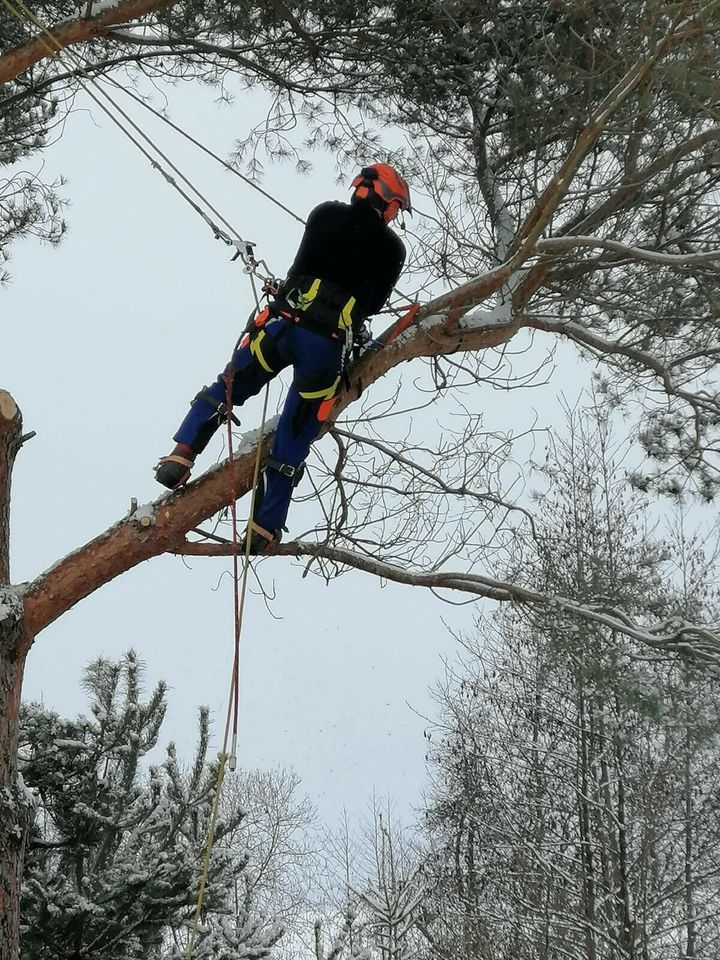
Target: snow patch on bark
<point x="145" y="511"/>
<point x="498" y="316"/>
<point x="249" y="441"/>
<point x="102" y="6"/>
<point x="427" y="323"/>
<point x="251" y="438"/>
<point x="11" y="607"/>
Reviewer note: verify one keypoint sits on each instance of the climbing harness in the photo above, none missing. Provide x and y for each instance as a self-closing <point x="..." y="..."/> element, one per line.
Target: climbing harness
<point x="322" y="306"/>
<point x="221" y="408"/>
<point x="286" y="469"/>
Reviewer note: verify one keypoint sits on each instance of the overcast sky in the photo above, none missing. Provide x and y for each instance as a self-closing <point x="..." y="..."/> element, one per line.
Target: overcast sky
<point x="105" y="340"/>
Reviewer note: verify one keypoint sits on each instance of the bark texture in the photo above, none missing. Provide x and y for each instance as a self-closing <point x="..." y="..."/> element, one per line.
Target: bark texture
<point x="60" y="35"/>
<point x="10" y="432"/>
<point x="15" y="803"/>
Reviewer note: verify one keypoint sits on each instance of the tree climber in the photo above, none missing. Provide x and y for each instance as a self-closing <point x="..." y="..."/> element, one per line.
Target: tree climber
<point x="345" y="268"/>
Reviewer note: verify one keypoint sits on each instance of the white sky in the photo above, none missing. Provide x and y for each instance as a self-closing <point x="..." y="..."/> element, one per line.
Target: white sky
<point x="105" y="341"/>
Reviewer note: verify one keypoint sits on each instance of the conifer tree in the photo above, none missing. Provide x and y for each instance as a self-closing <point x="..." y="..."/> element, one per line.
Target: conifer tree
<point x="114" y="853"/>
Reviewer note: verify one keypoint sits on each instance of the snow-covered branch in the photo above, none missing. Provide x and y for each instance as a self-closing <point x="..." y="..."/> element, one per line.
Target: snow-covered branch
<point x="604" y="347"/>
<point x="698" y="641"/>
<point x="72" y="32"/>
<point x="563" y="244"/>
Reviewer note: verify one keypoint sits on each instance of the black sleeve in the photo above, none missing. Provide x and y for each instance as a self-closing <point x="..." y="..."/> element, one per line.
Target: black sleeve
<point x="394" y="264"/>
<point x="309" y="239"/>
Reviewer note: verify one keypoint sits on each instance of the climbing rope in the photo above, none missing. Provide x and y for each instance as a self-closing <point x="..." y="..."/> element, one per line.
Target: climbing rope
<point x="188" y="136"/>
<point x="230" y="236"/>
<point x="239" y="594"/>
<point x="244" y="248"/>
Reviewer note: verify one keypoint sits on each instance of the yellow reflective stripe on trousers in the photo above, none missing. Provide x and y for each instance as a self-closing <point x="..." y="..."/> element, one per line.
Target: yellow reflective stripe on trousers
<point x="319" y="394"/>
<point x="256" y="351"/>
<point x="346" y="316"/>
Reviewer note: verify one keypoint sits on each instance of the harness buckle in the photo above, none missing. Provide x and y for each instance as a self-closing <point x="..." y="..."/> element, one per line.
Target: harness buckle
<point x="271" y="287"/>
<point x="286" y="469"/>
<point x="221" y="410"/>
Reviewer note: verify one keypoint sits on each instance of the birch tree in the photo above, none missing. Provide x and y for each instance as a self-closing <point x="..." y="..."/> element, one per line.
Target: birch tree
<point x="574" y="811"/>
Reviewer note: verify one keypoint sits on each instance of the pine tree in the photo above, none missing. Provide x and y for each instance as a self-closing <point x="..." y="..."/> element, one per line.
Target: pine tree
<point x="114" y="854"/>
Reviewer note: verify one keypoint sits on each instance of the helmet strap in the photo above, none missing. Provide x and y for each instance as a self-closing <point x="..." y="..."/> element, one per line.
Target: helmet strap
<point x="367" y="194"/>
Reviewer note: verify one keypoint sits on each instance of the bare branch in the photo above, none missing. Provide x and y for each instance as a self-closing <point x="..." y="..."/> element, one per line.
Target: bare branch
<point x="565" y="243"/>
<point x="700" y="641"/>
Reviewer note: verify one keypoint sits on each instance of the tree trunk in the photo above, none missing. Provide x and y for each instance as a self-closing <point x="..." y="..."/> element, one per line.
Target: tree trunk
<point x="690" y="923"/>
<point x="624" y="893"/>
<point x="587" y="859"/>
<point x="16" y="804"/>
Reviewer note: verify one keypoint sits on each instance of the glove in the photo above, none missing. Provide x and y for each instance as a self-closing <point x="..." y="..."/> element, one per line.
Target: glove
<point x="363" y="341"/>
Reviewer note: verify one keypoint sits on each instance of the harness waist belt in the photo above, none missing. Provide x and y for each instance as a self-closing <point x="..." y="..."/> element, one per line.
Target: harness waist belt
<point x="323" y="306"/>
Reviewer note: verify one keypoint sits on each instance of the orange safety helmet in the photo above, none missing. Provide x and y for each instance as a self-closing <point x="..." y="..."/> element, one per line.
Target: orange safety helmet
<point x="385" y="188"/>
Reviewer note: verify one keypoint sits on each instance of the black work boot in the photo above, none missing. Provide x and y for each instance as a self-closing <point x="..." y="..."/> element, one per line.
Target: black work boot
<point x="174" y="470"/>
<point x="260" y="539"/>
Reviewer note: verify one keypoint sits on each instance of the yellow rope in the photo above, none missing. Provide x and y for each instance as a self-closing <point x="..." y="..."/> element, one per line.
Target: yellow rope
<point x="16" y="13"/>
<point x="224" y="756"/>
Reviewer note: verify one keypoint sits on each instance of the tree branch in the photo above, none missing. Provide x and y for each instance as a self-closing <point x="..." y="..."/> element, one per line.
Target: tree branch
<point x="71" y="32"/>
<point x="160" y="527"/>
<point x="562" y="244"/>
<point x="587" y="338"/>
<point x="699" y="641"/>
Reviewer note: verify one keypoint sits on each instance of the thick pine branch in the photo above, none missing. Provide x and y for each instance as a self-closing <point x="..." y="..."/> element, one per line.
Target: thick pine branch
<point x="71" y="32"/>
<point x="160" y="527"/>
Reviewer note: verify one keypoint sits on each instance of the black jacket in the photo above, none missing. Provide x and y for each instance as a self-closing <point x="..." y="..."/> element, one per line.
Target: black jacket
<point x="349" y="245"/>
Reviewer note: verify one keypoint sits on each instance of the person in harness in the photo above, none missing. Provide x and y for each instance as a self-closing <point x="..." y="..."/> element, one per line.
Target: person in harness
<point x="345" y="268"/>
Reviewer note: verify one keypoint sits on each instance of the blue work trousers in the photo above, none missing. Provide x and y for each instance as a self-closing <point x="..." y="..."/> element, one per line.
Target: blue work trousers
<point x="317" y="366"/>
